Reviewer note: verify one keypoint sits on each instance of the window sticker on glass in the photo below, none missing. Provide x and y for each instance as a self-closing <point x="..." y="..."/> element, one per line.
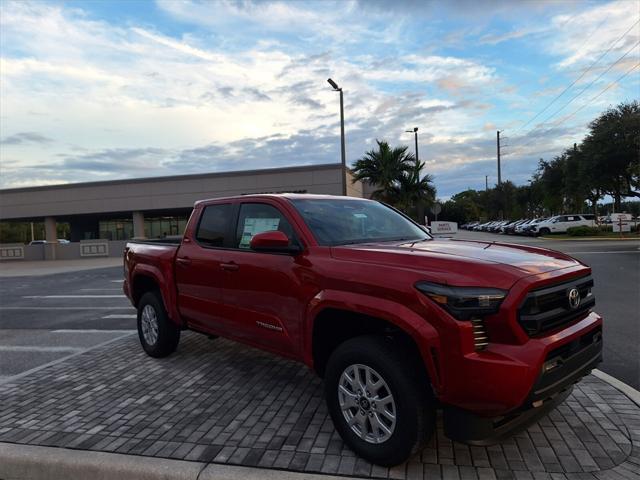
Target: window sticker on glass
<point x="253" y="226"/>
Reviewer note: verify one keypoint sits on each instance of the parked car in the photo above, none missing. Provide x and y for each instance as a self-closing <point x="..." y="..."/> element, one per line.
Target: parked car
<point x="528" y="229"/>
<point x="511" y="228"/>
<point x="469" y="225"/>
<point x="397" y="323"/>
<point x="560" y="223"/>
<point x="61" y="241"/>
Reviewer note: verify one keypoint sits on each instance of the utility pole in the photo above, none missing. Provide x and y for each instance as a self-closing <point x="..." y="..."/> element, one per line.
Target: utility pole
<point x="486" y="183"/>
<point x="498" y="151"/>
<point x="343" y="150"/>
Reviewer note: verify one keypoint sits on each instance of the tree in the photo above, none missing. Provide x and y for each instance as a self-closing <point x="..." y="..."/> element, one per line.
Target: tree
<point x="383" y="168"/>
<point x="413" y="192"/>
<point x="550" y="179"/>
<point x="612" y="148"/>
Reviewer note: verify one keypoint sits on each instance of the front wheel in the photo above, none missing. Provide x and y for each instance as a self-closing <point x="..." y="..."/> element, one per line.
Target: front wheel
<point x="379" y="402"/>
<point x="544" y="231"/>
<point x="158" y="335"/>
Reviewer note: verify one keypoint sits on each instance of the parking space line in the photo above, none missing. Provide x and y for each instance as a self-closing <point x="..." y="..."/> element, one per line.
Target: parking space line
<point x="65" y="308"/>
<point x="74" y="296"/>
<point x="60" y="360"/>
<point x="117" y="281"/>
<point x="93" y="330"/>
<point x="14" y="348"/>
<point x="119" y="315"/>
<point x="100" y="289"/>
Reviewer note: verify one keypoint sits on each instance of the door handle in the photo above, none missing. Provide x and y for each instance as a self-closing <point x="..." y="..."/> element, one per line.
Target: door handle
<point x="229" y="267"/>
<point x="184" y="261"/>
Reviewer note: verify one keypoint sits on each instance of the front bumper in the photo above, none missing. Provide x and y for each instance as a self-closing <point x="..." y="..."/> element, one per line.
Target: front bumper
<point x="562" y="368"/>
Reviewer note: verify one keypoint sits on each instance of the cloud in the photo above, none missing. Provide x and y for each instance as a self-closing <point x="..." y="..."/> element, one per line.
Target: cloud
<point x="496" y="38"/>
<point x="235" y="85"/>
<point x="26" y="138"/>
<point x="583" y="37"/>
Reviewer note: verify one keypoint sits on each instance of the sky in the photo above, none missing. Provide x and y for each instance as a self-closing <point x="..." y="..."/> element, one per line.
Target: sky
<point x="100" y="90"/>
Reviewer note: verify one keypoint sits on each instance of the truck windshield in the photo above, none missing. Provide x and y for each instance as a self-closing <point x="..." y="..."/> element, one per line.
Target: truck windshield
<point x="345" y="222"/>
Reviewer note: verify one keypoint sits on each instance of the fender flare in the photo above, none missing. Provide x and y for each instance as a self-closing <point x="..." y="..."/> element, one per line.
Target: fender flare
<point x="167" y="293"/>
<point x="420" y="330"/>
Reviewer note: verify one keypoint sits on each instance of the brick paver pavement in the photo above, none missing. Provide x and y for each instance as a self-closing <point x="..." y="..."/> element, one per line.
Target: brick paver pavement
<point x="218" y="401"/>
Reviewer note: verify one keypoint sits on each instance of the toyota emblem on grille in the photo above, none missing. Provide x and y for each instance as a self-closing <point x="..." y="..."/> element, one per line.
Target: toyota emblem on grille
<point x="574" y="298"/>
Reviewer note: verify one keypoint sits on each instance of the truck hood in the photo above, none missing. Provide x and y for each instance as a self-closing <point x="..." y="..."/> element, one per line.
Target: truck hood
<point x="461" y="262"/>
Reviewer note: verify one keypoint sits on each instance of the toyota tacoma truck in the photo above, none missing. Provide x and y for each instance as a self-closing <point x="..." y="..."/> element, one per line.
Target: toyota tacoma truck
<point x="396" y="322"/>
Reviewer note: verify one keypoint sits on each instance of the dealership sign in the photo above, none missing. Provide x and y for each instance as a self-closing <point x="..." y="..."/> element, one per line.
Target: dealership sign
<point x="444" y="227"/>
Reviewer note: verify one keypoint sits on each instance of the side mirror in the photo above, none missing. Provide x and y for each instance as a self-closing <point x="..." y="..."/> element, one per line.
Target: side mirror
<point x="274" y="241"/>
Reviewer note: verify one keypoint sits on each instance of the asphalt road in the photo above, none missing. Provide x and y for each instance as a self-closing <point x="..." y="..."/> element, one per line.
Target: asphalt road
<point x="48" y="318"/>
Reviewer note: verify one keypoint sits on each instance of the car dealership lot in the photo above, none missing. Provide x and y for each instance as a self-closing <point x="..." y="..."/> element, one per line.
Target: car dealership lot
<point x="72" y="374"/>
<point x="45" y="318"/>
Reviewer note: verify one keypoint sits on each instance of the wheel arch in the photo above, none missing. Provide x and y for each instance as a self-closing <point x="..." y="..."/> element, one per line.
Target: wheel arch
<point x="147" y="279"/>
<point x="333" y="319"/>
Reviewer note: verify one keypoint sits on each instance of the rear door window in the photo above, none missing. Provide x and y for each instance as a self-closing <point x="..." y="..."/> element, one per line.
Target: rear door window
<point x="214" y="225"/>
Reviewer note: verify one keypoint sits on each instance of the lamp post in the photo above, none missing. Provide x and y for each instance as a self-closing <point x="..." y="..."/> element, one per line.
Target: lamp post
<point x="344" y="156"/>
<point x="415" y="132"/>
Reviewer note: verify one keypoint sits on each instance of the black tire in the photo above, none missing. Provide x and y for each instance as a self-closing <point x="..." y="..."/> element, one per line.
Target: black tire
<point x="544" y="231"/>
<point x="415" y="408"/>
<point x="168" y="333"/>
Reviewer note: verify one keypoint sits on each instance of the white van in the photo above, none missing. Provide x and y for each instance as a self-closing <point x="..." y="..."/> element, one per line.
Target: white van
<point x="560" y="223"/>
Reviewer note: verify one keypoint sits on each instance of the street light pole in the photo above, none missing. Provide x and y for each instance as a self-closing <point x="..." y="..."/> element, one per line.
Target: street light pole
<point x="342" y="141"/>
<point x="415" y="132"/>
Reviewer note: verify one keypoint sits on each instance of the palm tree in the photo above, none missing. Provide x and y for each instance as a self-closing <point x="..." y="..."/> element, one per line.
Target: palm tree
<point x="413" y="191"/>
<point x="383" y="168"/>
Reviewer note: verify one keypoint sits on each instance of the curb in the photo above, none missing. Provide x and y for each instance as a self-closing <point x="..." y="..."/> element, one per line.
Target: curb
<point x="31" y="462"/>
<point x="628" y="390"/>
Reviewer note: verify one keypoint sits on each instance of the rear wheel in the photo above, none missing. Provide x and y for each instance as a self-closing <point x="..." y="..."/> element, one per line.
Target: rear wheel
<point x="158" y="335"/>
<point x="379" y="401"/>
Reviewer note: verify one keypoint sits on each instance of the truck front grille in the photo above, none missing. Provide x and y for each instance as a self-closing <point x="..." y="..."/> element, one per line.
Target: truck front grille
<point x="549" y="308"/>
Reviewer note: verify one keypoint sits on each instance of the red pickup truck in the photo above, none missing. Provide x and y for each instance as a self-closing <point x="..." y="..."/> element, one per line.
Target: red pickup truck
<point x="396" y="322"/>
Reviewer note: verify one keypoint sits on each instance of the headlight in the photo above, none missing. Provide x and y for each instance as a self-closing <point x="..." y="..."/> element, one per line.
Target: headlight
<point x="464" y="302"/>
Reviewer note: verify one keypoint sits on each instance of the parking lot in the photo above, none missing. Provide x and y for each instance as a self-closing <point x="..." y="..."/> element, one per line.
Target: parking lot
<point x="73" y="375"/>
<point x="45" y="318"/>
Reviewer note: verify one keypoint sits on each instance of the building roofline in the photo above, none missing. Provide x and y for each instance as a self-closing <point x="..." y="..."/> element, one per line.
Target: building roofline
<point x="299" y="168"/>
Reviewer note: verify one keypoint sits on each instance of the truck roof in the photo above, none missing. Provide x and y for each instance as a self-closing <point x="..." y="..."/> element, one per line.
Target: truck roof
<point x="280" y="195"/>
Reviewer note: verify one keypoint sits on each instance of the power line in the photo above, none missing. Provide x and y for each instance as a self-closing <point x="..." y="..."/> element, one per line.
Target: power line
<point x="562" y="120"/>
<point x="598" y="95"/>
<point x="589" y="85"/>
<point x="582" y="75"/>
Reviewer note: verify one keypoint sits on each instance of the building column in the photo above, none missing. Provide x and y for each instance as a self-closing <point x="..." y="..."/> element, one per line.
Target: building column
<point x="51" y="236"/>
<point x="138" y="225"/>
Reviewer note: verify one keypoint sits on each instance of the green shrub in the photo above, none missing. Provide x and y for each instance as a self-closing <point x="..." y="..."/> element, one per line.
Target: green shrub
<point x="583" y="231"/>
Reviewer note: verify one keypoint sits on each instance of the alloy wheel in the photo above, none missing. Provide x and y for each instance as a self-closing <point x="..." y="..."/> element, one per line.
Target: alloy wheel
<point x="367" y="403"/>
